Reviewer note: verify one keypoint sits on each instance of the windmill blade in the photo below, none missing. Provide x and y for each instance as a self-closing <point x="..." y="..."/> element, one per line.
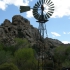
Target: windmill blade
<point x="43" y="1"/>
<point x="35" y="10"/>
<point x="50" y="12"/>
<point x="48" y="1"/>
<point x="50" y="4"/>
<point x="38" y="4"/>
<point x="37" y="16"/>
<point x="52" y="7"/>
<point x="34" y="7"/>
<point x="47" y="15"/>
<point x="24" y="8"/>
<point x="44" y="17"/>
<point x="35" y="13"/>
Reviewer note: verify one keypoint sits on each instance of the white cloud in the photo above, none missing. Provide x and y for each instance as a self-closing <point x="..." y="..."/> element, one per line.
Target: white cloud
<point x="31" y="0"/>
<point x="68" y="33"/>
<point x="62" y="8"/>
<point x="65" y="42"/>
<point x="55" y="34"/>
<point x="5" y="3"/>
<point x="64" y="32"/>
<point x="29" y="14"/>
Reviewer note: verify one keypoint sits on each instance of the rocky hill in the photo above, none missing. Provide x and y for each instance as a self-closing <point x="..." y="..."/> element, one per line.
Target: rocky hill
<point x="20" y="27"/>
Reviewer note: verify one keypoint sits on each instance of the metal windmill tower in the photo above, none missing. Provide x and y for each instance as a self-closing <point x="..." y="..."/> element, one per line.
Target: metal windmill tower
<point x="42" y="10"/>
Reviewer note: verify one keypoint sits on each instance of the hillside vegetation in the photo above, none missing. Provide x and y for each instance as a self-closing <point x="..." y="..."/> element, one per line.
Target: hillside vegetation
<point x="22" y="57"/>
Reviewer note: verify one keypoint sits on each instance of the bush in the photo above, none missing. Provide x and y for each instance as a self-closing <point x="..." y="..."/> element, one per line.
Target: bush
<point x="1" y="46"/>
<point x="8" y="66"/>
<point x="66" y="63"/>
<point x="25" y="59"/>
<point x="21" y="43"/>
<point x="5" y="56"/>
<point x="62" y="56"/>
<point x="59" y="53"/>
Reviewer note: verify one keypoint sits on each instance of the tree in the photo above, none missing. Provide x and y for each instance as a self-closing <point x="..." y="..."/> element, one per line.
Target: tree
<point x="25" y="59"/>
<point x="59" y="56"/>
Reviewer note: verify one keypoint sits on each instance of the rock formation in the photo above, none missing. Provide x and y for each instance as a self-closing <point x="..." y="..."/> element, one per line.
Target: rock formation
<point x="20" y="27"/>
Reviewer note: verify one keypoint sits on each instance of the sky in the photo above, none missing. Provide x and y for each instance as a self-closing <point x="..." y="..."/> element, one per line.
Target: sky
<point x="58" y="26"/>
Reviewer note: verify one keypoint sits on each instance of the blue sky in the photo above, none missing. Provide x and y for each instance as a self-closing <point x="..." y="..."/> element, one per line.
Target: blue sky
<point x="58" y="26"/>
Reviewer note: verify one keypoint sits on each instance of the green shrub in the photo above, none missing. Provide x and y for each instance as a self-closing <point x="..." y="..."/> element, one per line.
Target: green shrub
<point x="25" y="59"/>
<point x="8" y="66"/>
<point x="66" y="63"/>
<point x="59" y="53"/>
<point x="21" y="43"/>
<point x="62" y="56"/>
<point x="1" y="46"/>
<point x="5" y="56"/>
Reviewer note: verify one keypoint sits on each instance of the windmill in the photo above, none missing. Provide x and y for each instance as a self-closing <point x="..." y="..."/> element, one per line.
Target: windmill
<point x="46" y="8"/>
<point x="43" y="16"/>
